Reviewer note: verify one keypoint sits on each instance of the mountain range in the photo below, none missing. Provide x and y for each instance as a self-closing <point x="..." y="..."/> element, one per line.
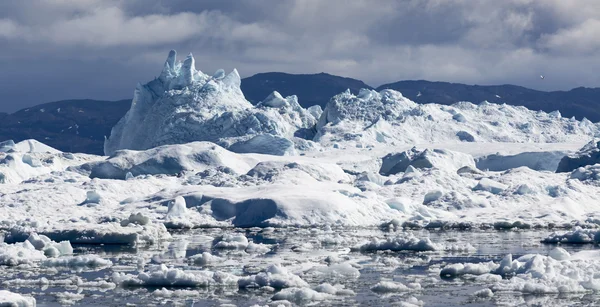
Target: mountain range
<point x="81" y="125"/>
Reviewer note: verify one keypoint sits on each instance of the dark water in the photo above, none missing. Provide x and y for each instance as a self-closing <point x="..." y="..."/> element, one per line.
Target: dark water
<point x="292" y="247"/>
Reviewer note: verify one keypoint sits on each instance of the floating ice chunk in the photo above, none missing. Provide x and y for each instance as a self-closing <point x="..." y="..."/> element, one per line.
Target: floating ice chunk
<point x="87" y="261"/>
<point x="534" y="273"/>
<point x="68" y="298"/>
<point x="576" y="236"/>
<point x="300" y="295"/>
<point x="175" y="293"/>
<point x="11" y="299"/>
<point x="257" y="248"/>
<point x="390" y="286"/>
<point x="333" y="289"/>
<point x="458" y="269"/>
<point x="109" y="233"/>
<point x="162" y="276"/>
<point x="340" y="269"/>
<point x="49" y="247"/>
<point x="484" y="293"/>
<point x="19" y="253"/>
<point x="409" y="243"/>
<point x="232" y="241"/>
<point x="274" y="276"/>
<point x="205" y="258"/>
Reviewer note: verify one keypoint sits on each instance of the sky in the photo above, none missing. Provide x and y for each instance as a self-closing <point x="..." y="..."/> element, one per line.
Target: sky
<point x="63" y="49"/>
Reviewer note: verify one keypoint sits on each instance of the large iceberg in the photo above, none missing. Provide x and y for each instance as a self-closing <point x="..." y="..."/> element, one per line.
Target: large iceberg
<point x="184" y="105"/>
<point x="386" y="117"/>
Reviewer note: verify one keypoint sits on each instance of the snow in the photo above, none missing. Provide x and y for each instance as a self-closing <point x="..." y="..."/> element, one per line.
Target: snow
<point x="170" y="160"/>
<point x="11" y="299"/>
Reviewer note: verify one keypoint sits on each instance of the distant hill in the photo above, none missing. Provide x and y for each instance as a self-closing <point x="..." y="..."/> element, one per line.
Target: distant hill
<point x="579" y="102"/>
<point x="315" y="89"/>
<point x="80" y="125"/>
<point x="68" y="125"/>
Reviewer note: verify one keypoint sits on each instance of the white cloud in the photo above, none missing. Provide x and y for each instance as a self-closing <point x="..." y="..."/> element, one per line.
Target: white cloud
<point x="8" y="29"/>
<point x="577" y="40"/>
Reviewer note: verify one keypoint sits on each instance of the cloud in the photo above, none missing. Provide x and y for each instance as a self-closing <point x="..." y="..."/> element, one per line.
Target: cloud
<point x="577" y="40"/>
<point x="116" y="43"/>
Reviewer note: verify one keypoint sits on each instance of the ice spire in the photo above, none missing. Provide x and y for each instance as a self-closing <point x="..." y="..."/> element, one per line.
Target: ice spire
<point x="233" y="79"/>
<point x="171" y="59"/>
<point x="169" y="68"/>
<point x="187" y="69"/>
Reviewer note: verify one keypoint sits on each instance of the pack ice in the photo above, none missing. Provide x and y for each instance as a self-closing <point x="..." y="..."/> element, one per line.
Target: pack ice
<point x="192" y="152"/>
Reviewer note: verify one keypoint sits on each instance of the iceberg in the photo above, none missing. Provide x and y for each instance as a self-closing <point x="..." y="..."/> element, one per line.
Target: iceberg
<point x="185" y="105"/>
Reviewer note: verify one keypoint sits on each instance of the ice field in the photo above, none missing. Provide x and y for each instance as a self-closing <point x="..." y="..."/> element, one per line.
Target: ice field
<point x="203" y="198"/>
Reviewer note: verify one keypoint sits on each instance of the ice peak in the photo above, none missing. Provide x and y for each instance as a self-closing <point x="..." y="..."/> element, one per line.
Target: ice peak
<point x="274" y="100"/>
<point x="168" y="71"/>
<point x="188" y="69"/>
<point x="171" y="59"/>
<point x="233" y="79"/>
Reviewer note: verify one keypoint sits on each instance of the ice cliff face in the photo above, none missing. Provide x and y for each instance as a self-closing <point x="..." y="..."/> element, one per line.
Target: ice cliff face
<point x="184" y="105"/>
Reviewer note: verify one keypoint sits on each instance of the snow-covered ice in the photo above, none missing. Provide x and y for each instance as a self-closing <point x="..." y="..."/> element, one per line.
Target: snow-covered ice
<point x="8" y="298"/>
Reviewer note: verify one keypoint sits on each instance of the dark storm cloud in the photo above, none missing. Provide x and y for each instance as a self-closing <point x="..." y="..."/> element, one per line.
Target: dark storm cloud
<point x="59" y="49"/>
